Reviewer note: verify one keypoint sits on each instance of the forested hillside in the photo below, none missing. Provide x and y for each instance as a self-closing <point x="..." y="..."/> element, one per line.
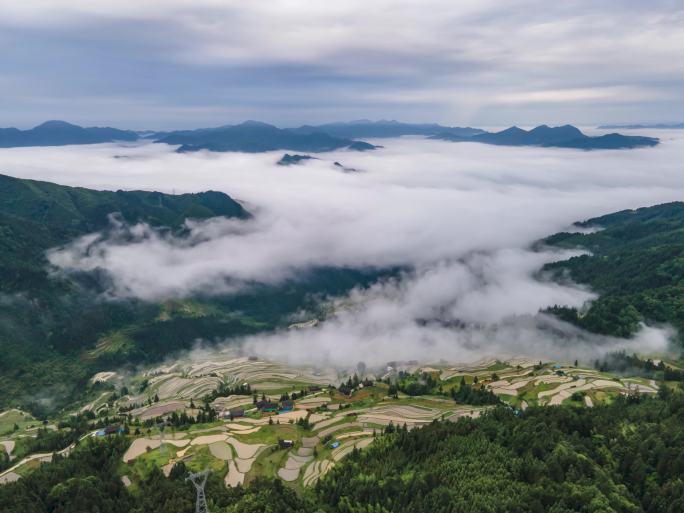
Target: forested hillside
<point x="36" y="216"/>
<point x="56" y="332"/>
<point x="636" y="264"/>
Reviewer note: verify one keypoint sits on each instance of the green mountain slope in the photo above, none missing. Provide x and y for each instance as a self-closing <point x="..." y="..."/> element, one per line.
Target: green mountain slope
<point x="56" y="332"/>
<point x="36" y="216"/>
<point x="636" y="264"/>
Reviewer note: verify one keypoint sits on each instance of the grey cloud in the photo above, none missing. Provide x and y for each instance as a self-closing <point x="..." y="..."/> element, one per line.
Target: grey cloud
<point x="182" y="63"/>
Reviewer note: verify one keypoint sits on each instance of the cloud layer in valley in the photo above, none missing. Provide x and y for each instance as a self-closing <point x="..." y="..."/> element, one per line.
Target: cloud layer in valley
<point x="458" y="217"/>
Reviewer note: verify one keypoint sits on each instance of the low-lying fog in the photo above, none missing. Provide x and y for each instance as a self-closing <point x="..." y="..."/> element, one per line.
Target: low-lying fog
<point x="460" y="216"/>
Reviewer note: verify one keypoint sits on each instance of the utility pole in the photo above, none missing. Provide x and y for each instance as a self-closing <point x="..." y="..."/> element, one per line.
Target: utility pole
<point x="199" y="479"/>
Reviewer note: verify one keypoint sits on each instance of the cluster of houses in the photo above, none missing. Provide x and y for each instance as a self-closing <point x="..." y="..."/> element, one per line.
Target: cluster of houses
<point x="266" y="406"/>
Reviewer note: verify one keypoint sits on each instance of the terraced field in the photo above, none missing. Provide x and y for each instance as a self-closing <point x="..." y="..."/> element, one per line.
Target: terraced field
<point x="323" y="427"/>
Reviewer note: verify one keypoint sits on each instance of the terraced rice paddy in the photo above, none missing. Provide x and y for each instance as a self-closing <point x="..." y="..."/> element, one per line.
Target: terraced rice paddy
<point x="247" y="447"/>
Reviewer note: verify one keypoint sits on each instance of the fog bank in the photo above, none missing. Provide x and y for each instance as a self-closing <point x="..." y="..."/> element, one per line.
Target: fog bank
<point x="459" y="217"/>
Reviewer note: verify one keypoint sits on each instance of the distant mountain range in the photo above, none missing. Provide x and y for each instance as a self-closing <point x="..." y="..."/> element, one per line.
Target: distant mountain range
<point x="61" y="133"/>
<point x="384" y="128"/>
<point x="257" y="137"/>
<point x="639" y="126"/>
<point x="566" y="136"/>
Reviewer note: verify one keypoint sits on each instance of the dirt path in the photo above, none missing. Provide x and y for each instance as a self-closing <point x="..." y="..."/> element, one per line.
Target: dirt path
<point x="45" y="457"/>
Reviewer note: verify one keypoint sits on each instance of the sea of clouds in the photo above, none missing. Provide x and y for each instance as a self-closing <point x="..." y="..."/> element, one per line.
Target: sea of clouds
<point x="459" y="217"/>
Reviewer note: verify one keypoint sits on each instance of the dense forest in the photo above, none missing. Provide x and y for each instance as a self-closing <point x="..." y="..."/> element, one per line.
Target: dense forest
<point x="624" y="457"/>
<point x="636" y="264"/>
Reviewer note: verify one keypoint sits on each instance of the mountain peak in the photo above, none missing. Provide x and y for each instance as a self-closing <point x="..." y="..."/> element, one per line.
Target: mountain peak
<point x="253" y="123"/>
<point x="55" y="123"/>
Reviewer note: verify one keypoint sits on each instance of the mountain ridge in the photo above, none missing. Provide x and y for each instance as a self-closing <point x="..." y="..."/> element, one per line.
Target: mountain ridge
<point x="565" y="136"/>
<point x="61" y="133"/>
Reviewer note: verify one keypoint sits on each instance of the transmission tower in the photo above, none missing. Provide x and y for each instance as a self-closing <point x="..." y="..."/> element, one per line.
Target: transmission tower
<point x="199" y="479"/>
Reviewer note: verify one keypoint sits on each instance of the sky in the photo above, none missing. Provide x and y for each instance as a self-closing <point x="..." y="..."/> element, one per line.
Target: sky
<point x="163" y="64"/>
<point x="459" y="217"/>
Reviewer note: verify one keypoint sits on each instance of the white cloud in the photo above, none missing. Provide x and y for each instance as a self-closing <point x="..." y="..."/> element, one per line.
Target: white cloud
<point x="458" y="216"/>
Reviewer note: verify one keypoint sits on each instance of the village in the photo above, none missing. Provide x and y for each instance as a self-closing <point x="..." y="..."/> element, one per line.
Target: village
<point x="244" y="417"/>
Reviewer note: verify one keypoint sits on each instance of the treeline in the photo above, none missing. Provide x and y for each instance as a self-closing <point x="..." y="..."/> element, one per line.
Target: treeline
<point x="427" y="384"/>
<point x="624" y="458"/>
<point x="623" y="363"/>
<point x="473" y="395"/>
<point x="637" y="266"/>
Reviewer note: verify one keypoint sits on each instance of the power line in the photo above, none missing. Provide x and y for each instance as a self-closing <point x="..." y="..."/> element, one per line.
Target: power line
<point x="199" y="479"/>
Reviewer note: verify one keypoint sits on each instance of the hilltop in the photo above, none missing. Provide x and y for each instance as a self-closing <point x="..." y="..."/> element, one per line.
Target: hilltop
<point x="566" y="136"/>
<point x="255" y="137"/>
<point x="61" y="133"/>
<point x="385" y="128"/>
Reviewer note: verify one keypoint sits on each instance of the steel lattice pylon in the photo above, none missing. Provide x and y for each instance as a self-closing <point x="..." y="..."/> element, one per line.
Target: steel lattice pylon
<point x="199" y="479"/>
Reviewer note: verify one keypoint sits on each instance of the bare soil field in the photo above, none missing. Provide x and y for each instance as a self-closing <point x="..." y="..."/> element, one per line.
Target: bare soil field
<point x="243" y="450"/>
<point x="221" y="451"/>
<point x="140" y="445"/>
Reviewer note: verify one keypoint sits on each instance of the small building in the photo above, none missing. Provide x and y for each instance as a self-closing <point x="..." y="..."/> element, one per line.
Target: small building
<point x="287" y="406"/>
<point x="267" y="406"/>
<point x="285" y="444"/>
<point x="110" y="430"/>
<point x="335" y="445"/>
<point x="314" y="388"/>
<point x="236" y="412"/>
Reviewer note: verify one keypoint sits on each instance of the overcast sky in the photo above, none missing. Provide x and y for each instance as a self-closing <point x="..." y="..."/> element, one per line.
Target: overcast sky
<point x="189" y="63"/>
